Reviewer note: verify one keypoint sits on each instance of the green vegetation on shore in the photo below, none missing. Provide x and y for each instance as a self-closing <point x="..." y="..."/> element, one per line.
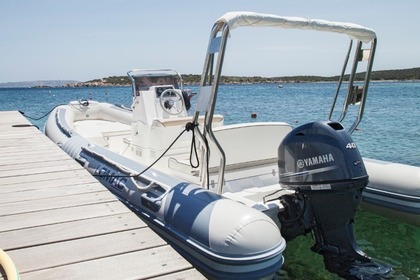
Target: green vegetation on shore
<point x="193" y="79"/>
<point x="412" y="74"/>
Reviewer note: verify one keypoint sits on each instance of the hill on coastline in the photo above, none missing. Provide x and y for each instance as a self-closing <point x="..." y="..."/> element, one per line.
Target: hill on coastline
<point x="194" y="79"/>
<point x="40" y="84"/>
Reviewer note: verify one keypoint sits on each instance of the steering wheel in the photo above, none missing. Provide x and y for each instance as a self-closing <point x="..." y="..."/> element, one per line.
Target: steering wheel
<point x="172" y="101"/>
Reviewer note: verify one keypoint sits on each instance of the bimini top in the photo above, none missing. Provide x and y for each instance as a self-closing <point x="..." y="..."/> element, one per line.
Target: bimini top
<point x="241" y="19"/>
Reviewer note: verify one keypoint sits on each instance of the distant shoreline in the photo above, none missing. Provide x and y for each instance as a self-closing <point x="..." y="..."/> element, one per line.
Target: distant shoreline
<point x="98" y="85"/>
<point x="401" y="75"/>
<point x="186" y="85"/>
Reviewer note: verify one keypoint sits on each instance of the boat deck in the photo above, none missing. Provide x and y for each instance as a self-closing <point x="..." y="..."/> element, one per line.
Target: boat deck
<point x="58" y="222"/>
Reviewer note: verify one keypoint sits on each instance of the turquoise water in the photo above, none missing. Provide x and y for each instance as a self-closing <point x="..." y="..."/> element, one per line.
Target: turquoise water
<point x="390" y="130"/>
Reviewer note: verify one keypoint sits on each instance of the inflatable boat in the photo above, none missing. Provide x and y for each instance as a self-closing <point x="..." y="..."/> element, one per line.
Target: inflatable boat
<point x="393" y="190"/>
<point x="228" y="197"/>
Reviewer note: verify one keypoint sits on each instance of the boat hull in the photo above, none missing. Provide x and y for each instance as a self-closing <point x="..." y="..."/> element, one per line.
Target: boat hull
<point x="222" y="238"/>
<point x="393" y="190"/>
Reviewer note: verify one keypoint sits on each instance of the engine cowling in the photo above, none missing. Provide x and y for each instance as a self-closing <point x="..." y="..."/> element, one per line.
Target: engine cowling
<point x="322" y="164"/>
<point x="320" y="155"/>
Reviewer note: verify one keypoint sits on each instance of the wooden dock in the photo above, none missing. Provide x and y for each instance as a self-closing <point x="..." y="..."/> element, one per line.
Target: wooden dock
<point x="58" y="222"/>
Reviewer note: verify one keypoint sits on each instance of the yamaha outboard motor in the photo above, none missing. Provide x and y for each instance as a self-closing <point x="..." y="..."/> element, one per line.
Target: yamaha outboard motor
<point x="322" y="164"/>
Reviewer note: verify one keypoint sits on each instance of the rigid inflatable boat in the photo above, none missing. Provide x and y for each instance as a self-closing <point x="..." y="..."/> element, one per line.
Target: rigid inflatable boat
<point x="185" y="214"/>
<point x="228" y="197"/>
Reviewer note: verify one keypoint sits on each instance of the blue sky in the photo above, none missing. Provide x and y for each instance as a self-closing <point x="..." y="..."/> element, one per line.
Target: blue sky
<point x="87" y="39"/>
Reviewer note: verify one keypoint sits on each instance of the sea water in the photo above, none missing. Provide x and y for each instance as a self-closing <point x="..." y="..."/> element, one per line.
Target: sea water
<point x="390" y="130"/>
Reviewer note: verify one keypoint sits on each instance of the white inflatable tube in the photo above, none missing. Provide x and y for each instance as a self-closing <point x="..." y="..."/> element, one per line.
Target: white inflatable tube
<point x="8" y="266"/>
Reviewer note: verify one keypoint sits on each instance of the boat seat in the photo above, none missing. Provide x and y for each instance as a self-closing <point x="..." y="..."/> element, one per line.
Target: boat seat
<point x="182" y="121"/>
<point x="245" y="146"/>
<point x="100" y="141"/>
<point x="101" y="131"/>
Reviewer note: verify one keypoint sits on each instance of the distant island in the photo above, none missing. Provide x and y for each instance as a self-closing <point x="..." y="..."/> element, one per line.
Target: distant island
<point x="411" y="74"/>
<point x="39" y="84"/>
<point x="194" y="79"/>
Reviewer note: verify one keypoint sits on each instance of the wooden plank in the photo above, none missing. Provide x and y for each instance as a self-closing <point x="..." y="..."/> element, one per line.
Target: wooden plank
<point x="44" y="151"/>
<point x="8" y="131"/>
<point x="43" y="204"/>
<point x="18" y="134"/>
<point x="51" y="233"/>
<point x="84" y="249"/>
<point x="8" y="159"/>
<point x="64" y="175"/>
<point x="23" y="141"/>
<point x="26" y="167"/>
<point x="142" y="264"/>
<point x="52" y="192"/>
<point x="33" y="219"/>
<point x="40" y="181"/>
<point x="47" y="170"/>
<point x="31" y="136"/>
